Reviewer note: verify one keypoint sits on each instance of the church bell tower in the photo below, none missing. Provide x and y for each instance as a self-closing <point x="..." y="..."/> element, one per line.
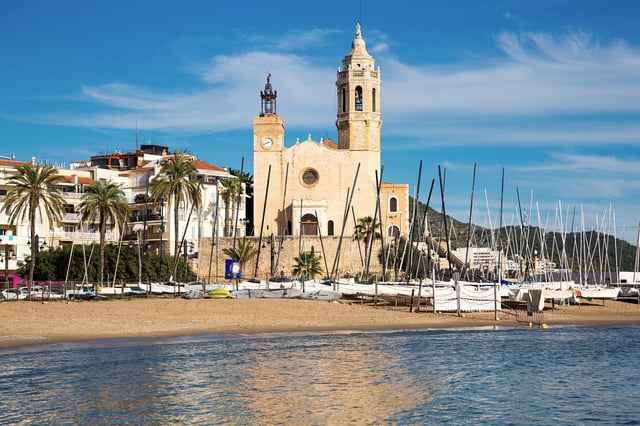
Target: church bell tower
<point x="358" y="94"/>
<point x="268" y="128"/>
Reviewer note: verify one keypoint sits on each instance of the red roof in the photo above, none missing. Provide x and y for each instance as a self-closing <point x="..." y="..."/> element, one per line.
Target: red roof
<point x="329" y="143"/>
<point x="13" y="163"/>
<point x="203" y="165"/>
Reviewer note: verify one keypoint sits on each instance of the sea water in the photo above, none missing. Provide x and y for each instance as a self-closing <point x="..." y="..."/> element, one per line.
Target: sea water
<point x="494" y="375"/>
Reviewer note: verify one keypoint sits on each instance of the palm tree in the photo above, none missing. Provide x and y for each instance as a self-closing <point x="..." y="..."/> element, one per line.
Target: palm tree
<point x="176" y="182"/>
<point x="364" y="231"/>
<point x="246" y="183"/>
<point x="242" y="253"/>
<point x="33" y="191"/>
<point x="231" y="191"/>
<point x="106" y="203"/>
<point x="307" y="265"/>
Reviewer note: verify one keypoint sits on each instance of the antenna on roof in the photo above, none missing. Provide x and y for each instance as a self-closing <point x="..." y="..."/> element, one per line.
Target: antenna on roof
<point x="360" y="19"/>
<point x="136" y="135"/>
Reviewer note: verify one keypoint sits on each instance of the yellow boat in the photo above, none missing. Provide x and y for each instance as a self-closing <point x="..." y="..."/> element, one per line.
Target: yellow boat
<point x="219" y="293"/>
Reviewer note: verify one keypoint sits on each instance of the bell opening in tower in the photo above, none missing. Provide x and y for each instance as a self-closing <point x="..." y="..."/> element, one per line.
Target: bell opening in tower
<point x="358" y="98"/>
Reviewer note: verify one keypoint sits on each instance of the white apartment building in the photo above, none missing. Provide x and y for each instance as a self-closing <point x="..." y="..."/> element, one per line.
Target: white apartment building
<point x="150" y="224"/>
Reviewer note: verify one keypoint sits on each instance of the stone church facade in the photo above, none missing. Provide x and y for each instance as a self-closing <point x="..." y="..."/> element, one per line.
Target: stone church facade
<point x="304" y="187"/>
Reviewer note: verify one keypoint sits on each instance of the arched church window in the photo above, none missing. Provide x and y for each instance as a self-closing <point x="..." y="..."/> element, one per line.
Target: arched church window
<point x="393" y="205"/>
<point x="393" y="231"/>
<point x="358" y="98"/>
<point x="330" y="227"/>
<point x="373" y="100"/>
<point x="309" y="225"/>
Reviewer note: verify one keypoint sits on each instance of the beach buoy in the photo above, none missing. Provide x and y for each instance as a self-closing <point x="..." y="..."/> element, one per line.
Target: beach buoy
<point x="530" y="324"/>
<point x="543" y="325"/>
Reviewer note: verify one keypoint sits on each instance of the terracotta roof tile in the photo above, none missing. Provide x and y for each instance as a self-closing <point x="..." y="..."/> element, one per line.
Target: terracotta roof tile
<point x="203" y="165"/>
<point x="329" y="143"/>
<point x="9" y="163"/>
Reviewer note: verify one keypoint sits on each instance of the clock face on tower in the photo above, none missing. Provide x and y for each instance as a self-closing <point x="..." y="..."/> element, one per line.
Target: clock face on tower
<point x="267" y="143"/>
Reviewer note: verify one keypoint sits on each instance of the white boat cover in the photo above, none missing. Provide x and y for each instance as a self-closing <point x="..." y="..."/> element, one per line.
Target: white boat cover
<point x="472" y="299"/>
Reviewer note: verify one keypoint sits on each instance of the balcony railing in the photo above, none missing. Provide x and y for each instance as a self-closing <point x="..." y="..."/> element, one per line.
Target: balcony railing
<point x="150" y="236"/>
<point x="82" y="236"/>
<point x="73" y="195"/>
<point x="149" y="217"/>
<point x="71" y="217"/>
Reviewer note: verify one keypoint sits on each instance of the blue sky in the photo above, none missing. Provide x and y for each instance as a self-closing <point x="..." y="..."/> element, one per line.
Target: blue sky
<point x="549" y="90"/>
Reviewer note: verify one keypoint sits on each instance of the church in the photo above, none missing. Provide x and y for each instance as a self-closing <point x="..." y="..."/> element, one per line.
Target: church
<point x="310" y="188"/>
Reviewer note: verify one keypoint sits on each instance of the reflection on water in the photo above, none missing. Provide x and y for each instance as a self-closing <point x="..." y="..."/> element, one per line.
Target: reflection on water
<point x="334" y="381"/>
<point x="561" y="375"/>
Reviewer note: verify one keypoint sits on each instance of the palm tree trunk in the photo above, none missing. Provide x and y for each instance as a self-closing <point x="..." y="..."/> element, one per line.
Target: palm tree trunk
<point x="227" y="216"/>
<point x="34" y="246"/>
<point x="234" y="211"/>
<point x="176" y="224"/>
<point x="103" y="231"/>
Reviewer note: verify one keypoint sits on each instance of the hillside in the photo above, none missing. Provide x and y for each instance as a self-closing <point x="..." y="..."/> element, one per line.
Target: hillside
<point x="594" y="248"/>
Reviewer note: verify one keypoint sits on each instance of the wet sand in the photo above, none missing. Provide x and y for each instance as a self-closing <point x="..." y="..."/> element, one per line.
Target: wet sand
<point x="31" y="322"/>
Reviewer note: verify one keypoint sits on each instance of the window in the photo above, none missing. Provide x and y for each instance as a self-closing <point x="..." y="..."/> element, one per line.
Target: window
<point x="330" y="227"/>
<point x="358" y="98"/>
<point x="373" y="100"/>
<point x="393" y="205"/>
<point x="344" y="100"/>
<point x="393" y="231"/>
<point x="309" y="177"/>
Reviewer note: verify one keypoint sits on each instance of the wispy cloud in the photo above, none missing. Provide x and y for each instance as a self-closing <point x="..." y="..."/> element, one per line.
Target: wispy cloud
<point x="540" y="77"/>
<point x="586" y="164"/>
<point x="584" y="176"/>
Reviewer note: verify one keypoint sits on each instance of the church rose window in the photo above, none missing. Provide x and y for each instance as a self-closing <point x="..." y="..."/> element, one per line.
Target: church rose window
<point x="309" y="177"/>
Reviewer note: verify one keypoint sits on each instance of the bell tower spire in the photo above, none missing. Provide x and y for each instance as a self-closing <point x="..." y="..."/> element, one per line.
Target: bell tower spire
<point x="358" y="95"/>
<point x="268" y="96"/>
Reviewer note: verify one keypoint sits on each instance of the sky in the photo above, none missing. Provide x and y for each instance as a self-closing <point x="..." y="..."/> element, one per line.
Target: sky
<point x="546" y="92"/>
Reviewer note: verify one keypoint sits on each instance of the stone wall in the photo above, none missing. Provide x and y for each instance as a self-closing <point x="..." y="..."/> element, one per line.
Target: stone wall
<point x="350" y="259"/>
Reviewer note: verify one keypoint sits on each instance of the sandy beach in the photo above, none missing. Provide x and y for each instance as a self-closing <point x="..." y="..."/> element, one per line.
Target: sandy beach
<point x="31" y="322"/>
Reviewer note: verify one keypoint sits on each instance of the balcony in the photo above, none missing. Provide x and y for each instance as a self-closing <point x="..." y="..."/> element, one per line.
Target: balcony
<point x="72" y="195"/>
<point x="71" y="217"/>
<point x="80" y="237"/>
<point x="153" y="217"/>
<point x="149" y="236"/>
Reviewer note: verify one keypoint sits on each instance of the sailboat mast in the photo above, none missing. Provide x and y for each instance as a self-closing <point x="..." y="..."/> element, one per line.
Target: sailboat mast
<point x="264" y="209"/>
<point x="466" y="256"/>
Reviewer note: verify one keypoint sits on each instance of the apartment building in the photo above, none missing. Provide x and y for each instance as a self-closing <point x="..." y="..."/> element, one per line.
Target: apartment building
<point x="150" y="224"/>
